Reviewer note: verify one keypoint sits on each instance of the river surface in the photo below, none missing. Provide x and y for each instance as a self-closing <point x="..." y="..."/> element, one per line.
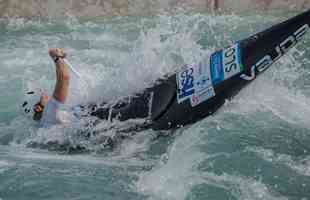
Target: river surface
<point x="257" y="146"/>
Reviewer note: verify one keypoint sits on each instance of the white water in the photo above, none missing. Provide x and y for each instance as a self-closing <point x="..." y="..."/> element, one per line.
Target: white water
<point x="255" y="147"/>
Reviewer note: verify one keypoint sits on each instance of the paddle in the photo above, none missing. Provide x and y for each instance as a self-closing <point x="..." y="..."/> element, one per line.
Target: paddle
<point x="72" y="69"/>
<point x="79" y="79"/>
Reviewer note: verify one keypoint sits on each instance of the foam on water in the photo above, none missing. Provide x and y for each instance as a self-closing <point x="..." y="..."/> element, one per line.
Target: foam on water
<point x="301" y="166"/>
<point x="178" y="174"/>
<point x="5" y="165"/>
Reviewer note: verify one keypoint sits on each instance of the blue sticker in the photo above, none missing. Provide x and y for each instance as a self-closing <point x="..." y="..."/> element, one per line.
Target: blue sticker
<point x="226" y="63"/>
<point x="217" y="72"/>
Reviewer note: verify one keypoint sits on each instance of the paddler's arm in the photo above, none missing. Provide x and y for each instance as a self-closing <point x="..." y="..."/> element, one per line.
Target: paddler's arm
<point x="61" y="89"/>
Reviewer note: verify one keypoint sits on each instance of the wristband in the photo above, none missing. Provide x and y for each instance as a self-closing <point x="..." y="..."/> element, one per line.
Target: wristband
<point x="56" y="59"/>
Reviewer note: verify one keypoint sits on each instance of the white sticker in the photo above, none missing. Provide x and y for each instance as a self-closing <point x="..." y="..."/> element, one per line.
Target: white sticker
<point x="195" y="83"/>
<point x="196" y="99"/>
<point x="185" y="82"/>
<point x="232" y="61"/>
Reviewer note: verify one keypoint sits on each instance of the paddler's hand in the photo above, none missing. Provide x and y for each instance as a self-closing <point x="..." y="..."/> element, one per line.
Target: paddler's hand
<point x="57" y="53"/>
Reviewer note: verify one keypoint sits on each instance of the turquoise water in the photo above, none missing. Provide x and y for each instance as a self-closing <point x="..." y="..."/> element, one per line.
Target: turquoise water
<point x="255" y="147"/>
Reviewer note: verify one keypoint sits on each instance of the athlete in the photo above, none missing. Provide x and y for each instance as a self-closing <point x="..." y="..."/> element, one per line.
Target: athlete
<point x="49" y="110"/>
<point x="190" y="95"/>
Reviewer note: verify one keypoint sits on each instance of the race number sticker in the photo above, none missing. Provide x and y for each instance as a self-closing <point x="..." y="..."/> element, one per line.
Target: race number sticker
<point x="225" y="64"/>
<point x="185" y="81"/>
<point x="232" y="61"/>
<point x="193" y="83"/>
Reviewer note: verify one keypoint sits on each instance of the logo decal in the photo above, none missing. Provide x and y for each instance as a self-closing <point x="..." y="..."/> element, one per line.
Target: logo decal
<point x="185" y="84"/>
<point x="196" y="99"/>
<point x="194" y="82"/>
<point x="278" y="52"/>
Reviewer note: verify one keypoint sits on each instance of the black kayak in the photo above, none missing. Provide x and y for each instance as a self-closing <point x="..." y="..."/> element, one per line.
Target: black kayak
<point x="202" y="88"/>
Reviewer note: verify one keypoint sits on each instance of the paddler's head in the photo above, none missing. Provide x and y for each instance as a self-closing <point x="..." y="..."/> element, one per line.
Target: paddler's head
<point x="38" y="108"/>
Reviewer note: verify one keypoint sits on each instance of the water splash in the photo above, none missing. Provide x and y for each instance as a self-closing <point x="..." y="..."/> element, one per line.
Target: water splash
<point x="213" y="158"/>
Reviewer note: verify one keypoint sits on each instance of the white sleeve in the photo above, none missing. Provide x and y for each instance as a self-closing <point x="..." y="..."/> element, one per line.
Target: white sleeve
<point x="50" y="114"/>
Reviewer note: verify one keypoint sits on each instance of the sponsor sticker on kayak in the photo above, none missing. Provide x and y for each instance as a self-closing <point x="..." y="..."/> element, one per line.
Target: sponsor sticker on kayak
<point x="208" y="93"/>
<point x="225" y="64"/>
<point x="217" y="72"/>
<point x="195" y="84"/>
